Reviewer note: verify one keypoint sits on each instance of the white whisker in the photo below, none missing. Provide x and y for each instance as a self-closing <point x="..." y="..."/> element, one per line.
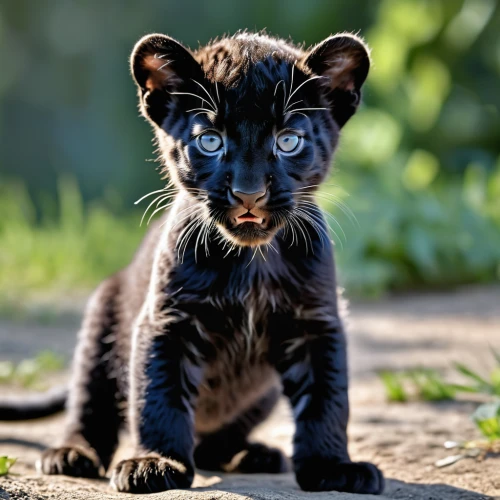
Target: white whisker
<point x="157" y="200"/>
<point x="306" y="109"/>
<point x="206" y="92"/>
<point x="195" y="95"/>
<point x="272" y="247"/>
<point x="163" y="65"/>
<point x="329" y="197"/>
<point x="317" y="211"/>
<point x="201" y="110"/>
<point x="293" y="104"/>
<point x="303" y="83"/>
<point x="163" y="207"/>
<point x="185" y="235"/>
<point x="260" y="250"/>
<point x="309" y="217"/>
<point x="287" y="116"/>
<point x="276" y="88"/>
<point x="253" y="256"/>
<point x="149" y="194"/>
<point x="291" y="88"/>
<point x="304" y="231"/>
<point x="217" y="92"/>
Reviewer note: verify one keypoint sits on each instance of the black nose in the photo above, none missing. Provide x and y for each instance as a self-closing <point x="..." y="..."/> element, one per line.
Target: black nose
<point x="248" y="200"/>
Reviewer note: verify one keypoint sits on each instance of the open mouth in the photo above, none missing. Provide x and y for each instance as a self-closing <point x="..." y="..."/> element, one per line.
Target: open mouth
<point x="248" y="229"/>
<point x="249" y="217"/>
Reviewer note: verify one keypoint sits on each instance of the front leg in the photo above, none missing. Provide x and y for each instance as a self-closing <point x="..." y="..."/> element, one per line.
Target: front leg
<point x="164" y="380"/>
<point x="314" y="372"/>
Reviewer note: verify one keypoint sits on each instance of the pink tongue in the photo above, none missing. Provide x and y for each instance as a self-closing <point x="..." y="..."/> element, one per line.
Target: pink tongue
<point x="249" y="218"/>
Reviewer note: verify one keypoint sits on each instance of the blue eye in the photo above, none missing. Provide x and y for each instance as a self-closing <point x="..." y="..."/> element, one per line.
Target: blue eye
<point x="288" y="142"/>
<point x="210" y="142"/>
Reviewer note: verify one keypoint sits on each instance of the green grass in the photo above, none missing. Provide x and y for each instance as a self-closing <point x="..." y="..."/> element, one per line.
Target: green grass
<point x="394" y="386"/>
<point x="428" y="385"/>
<point x="65" y="249"/>
<point x="31" y="373"/>
<point x="479" y="384"/>
<point x="420" y="384"/>
<point x="423" y="384"/>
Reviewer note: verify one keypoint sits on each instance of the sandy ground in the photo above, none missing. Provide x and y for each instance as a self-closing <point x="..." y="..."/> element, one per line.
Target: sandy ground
<point x="405" y="440"/>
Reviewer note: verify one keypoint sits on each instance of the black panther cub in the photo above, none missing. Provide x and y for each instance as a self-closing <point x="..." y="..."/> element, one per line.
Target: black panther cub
<point x="231" y="298"/>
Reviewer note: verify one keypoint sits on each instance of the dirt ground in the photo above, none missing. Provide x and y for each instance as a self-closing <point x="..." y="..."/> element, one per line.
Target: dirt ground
<point x="405" y="440"/>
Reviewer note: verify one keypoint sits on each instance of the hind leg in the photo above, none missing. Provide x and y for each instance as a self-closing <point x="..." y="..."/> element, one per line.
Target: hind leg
<point x="229" y="450"/>
<point x="93" y="417"/>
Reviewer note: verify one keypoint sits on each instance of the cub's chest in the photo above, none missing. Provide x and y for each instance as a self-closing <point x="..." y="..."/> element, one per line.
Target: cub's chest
<point x="234" y="333"/>
<point x="237" y="371"/>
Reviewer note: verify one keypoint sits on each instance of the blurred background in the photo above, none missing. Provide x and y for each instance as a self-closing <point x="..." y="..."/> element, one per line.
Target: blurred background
<point x="419" y="166"/>
<point x="418" y="169"/>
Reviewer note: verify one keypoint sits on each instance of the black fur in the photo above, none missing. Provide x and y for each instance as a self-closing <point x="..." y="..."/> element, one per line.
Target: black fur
<point x="214" y="315"/>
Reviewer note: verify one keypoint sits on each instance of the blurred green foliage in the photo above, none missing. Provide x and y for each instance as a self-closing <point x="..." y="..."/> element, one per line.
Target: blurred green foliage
<point x="424" y="384"/>
<point x="420" y="161"/>
<point x="31" y="373"/>
<point x="5" y="464"/>
<point x="68" y="248"/>
<point x="487" y="419"/>
<point x="428" y="385"/>
<point x="421" y="384"/>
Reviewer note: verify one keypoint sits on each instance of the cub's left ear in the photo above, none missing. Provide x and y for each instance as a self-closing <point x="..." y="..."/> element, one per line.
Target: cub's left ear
<point x="343" y="60"/>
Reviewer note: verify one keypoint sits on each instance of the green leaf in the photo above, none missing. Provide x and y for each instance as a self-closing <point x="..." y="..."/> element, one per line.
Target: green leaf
<point x="393" y="386"/>
<point x="466" y="388"/>
<point x="487" y="419"/>
<point x="5" y="464"/>
<point x="474" y="376"/>
<point x="431" y="386"/>
<point x="495" y="380"/>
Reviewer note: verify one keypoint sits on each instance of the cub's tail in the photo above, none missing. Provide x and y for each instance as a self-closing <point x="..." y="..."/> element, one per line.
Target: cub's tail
<point x="33" y="406"/>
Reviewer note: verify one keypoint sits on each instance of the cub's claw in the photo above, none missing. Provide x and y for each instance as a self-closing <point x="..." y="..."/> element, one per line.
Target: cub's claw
<point x="150" y="475"/>
<point x="71" y="461"/>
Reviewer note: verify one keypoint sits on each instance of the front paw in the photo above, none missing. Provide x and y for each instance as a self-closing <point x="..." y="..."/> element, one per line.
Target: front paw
<point x="71" y="461"/>
<point x="260" y="458"/>
<point x="351" y="477"/>
<point x="150" y="475"/>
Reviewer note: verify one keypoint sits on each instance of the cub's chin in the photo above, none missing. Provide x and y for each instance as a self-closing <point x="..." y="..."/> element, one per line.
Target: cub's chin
<point x="248" y="234"/>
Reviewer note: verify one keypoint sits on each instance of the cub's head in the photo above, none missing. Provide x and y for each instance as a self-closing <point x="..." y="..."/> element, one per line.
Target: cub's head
<point x="247" y="125"/>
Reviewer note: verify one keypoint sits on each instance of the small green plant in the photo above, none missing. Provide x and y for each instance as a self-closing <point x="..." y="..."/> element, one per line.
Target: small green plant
<point x="419" y="383"/>
<point x="394" y="387"/>
<point x="430" y="386"/>
<point x="5" y="464"/>
<point x="29" y="372"/>
<point x="480" y="385"/>
<point x="427" y="385"/>
<point x="487" y="419"/>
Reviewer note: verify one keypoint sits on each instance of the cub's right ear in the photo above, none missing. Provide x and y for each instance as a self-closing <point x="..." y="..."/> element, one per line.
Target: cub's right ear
<point x="160" y="65"/>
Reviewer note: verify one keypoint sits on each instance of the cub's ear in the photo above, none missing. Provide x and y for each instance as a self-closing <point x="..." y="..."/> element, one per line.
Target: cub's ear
<point x="343" y="60"/>
<point x="159" y="65"/>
